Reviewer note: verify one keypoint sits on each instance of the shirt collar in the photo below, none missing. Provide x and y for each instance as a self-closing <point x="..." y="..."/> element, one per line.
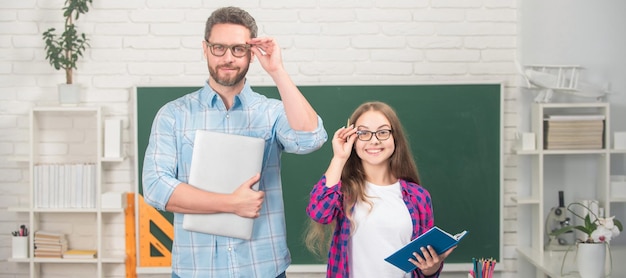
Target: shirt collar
<point x="241" y="100"/>
<point x="410" y="188"/>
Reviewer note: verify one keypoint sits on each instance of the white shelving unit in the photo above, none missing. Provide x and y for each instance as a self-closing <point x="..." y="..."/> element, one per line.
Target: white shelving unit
<point x="538" y="188"/>
<point x="67" y="135"/>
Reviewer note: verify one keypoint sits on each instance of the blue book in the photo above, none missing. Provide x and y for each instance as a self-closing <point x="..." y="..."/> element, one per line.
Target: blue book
<point x="439" y="239"/>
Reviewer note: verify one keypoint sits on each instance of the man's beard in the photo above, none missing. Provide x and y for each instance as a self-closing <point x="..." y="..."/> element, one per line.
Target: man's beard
<point x="228" y="81"/>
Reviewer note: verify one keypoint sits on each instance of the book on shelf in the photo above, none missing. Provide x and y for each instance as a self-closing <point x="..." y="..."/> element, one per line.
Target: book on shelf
<point x="49" y="256"/>
<point x="50" y="247"/>
<point x="65" y="185"/>
<point x="49" y="244"/>
<point x="575" y="134"/>
<point x="579" y="138"/>
<point x="574" y="129"/>
<point x="574" y="139"/>
<point x="50" y="241"/>
<point x="48" y="234"/>
<point x="439" y="239"/>
<point x="574" y="117"/>
<point x="79" y="254"/>
<point x="575" y="125"/>
<point x="573" y="147"/>
<point x="552" y="134"/>
<point x="58" y="253"/>
<point x="574" y="142"/>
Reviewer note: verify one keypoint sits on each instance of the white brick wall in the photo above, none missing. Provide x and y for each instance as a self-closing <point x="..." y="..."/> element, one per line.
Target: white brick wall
<point x="158" y="42"/>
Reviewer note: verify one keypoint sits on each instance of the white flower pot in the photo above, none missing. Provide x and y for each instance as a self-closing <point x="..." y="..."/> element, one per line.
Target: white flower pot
<point x="69" y="94"/>
<point x="590" y="259"/>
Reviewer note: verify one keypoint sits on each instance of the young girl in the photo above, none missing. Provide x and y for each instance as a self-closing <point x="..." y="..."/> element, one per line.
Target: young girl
<point x="371" y="194"/>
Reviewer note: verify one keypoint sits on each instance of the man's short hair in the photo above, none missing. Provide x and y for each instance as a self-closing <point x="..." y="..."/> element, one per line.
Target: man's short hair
<point x="232" y="15"/>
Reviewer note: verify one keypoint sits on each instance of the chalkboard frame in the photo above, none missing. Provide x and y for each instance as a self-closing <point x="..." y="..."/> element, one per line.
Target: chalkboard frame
<point x="477" y="97"/>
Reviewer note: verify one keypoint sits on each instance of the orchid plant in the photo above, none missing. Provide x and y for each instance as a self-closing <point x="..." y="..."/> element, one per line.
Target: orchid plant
<point x="600" y="230"/>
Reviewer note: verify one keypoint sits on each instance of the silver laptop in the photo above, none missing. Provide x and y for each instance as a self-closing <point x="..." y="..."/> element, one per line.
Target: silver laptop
<point x="220" y="163"/>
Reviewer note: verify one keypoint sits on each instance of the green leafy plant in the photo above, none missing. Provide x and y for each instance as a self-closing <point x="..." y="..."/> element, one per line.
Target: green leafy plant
<point x="63" y="51"/>
<point x="598" y="230"/>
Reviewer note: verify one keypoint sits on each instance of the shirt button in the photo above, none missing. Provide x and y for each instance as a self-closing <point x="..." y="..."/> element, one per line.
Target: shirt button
<point x="230" y="249"/>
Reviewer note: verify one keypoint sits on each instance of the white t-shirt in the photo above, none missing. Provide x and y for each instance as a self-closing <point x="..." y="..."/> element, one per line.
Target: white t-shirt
<point x="379" y="232"/>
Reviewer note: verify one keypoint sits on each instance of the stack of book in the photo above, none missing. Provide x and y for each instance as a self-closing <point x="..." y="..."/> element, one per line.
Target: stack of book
<point x="49" y="244"/>
<point x="573" y="132"/>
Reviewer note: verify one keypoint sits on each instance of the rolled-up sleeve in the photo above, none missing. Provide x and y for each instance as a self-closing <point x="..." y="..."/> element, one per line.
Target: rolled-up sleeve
<point x="159" y="165"/>
<point x="325" y="202"/>
<point x="300" y="142"/>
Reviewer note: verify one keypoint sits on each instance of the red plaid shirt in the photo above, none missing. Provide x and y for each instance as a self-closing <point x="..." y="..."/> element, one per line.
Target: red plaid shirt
<point x="326" y="205"/>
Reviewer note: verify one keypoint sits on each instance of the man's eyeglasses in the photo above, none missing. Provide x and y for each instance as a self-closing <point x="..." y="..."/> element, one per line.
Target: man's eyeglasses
<point x="238" y="50"/>
<point x="366" y="135"/>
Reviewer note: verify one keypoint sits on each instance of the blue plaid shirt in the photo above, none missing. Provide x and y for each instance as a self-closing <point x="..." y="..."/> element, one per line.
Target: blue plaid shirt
<point x="167" y="161"/>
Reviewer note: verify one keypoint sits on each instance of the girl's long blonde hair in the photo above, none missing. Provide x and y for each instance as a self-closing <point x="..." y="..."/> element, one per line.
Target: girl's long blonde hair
<point x="401" y="165"/>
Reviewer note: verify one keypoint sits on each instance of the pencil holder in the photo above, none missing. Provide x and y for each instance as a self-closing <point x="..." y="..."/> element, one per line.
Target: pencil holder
<point x="20" y="247"/>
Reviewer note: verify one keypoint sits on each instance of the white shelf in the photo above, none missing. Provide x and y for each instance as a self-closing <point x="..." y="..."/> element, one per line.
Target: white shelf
<point x="67" y="210"/>
<point x="618" y="199"/>
<point x="526" y="201"/>
<point x="554" y="152"/>
<point x="537" y="186"/>
<point x="67" y="109"/>
<point x="110" y="260"/>
<point x="84" y="126"/>
<point x="112" y="159"/>
<point x="568" y="152"/>
<point x="550" y="262"/>
<point x="548" y="152"/>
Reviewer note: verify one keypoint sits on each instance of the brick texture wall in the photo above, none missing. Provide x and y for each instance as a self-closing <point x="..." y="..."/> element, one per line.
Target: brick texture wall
<point x="158" y="42"/>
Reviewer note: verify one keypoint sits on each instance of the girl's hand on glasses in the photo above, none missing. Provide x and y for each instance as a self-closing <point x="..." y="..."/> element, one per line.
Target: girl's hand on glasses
<point x="343" y="140"/>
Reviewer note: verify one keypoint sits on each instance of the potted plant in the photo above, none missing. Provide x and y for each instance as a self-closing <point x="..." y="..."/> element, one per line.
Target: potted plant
<point x="64" y="50"/>
<point x="591" y="249"/>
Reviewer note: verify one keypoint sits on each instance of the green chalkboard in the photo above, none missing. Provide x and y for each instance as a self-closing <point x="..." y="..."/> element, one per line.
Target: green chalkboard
<point x="455" y="134"/>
